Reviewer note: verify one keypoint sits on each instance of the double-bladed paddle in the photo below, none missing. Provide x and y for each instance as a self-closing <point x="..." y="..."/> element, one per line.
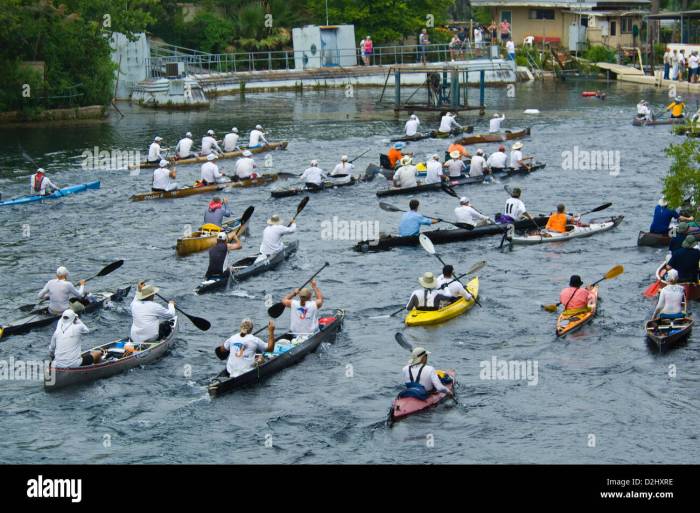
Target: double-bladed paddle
<point x="360" y="155"/>
<point x="390" y="208"/>
<point x="278" y="308"/>
<point x="104" y="272"/>
<point x="612" y="273"/>
<point x="247" y="214"/>
<point x="199" y="322"/>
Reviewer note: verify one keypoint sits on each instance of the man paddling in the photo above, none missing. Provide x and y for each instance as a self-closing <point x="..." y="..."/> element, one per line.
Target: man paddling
<point x="466" y="213"/>
<point x="272" y="237"/>
<point x="62" y="294"/>
<point x="394" y="155"/>
<point x="343" y="168"/>
<point x="150" y="321"/>
<point x="497" y="161"/>
<point x="663" y="217"/>
<point x="218" y="253"/>
<point x="420" y="378"/>
<point x="209" y="144"/>
<point x="210" y="174"/>
<point x="245" y="166"/>
<point x="154" y="151"/>
<point x="216" y="211"/>
<point x="686" y="260"/>
<point x="575" y="297"/>
<point x="448" y="123"/>
<point x="455" y="165"/>
<point x="671" y="297"/>
<point x="405" y="176"/>
<point x="244" y="349"/>
<point x="495" y="122"/>
<point x="257" y="138"/>
<point x="478" y="162"/>
<point x="677" y="108"/>
<point x="64" y="350"/>
<point x="448" y="286"/>
<point x="183" y="150"/>
<point x="303" y="318"/>
<point x="313" y="176"/>
<point x="411" y="221"/>
<point x="517" y="161"/>
<point x="231" y="140"/>
<point x="515" y="208"/>
<point x="412" y="125"/>
<point x="429" y="297"/>
<point x="434" y="170"/>
<point x="164" y="178"/>
<point x="559" y="221"/>
<point x="40" y="184"/>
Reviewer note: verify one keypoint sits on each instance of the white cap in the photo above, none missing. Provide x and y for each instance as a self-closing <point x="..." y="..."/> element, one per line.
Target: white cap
<point x="314" y="162"/>
<point x="222" y="236"/>
<point x="210" y="132"/>
<point x="672" y="275"/>
<point x="495" y="114"/>
<point x="663" y="202"/>
<point x="417" y="355"/>
<point x="258" y="127"/>
<point x="247" y="153"/>
<point x="479" y="151"/>
<point x="188" y="134"/>
<point x="344" y="158"/>
<point x="463" y="200"/>
<point x="234" y="130"/>
<point x="41" y="170"/>
<point x="61" y="271"/>
<point x="436" y="156"/>
<point x="212" y="156"/>
<point x="158" y="139"/>
<point x="413" y="116"/>
<point x="163" y="163"/>
<point x="69" y="315"/>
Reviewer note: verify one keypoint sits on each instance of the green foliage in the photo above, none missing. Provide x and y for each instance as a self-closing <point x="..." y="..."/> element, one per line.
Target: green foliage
<point x="210" y="33"/>
<point x="683" y="178"/>
<point x="599" y="53"/>
<point x="482" y="15"/>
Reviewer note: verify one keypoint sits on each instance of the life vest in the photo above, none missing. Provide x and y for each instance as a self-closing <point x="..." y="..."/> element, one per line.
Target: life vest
<point x="215" y="205"/>
<point x="38" y="179"/>
<point x="557" y="222"/>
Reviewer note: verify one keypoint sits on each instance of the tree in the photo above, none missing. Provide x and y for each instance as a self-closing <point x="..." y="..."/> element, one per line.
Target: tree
<point x="683" y="178"/>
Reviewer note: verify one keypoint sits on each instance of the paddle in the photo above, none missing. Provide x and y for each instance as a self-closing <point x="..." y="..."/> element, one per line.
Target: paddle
<point x="612" y="273"/>
<point x="360" y="155"/>
<point x="247" y="214"/>
<point x="401" y="340"/>
<point x="390" y="208"/>
<point x="199" y="322"/>
<point x="597" y="209"/>
<point x="448" y="189"/>
<point x="427" y="245"/>
<point x="104" y="272"/>
<point x="278" y="308"/>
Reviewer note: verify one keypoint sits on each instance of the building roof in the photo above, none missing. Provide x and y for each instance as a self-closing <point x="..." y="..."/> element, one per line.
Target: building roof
<point x="672" y="15"/>
<point x="612" y="14"/>
<point x="564" y="4"/>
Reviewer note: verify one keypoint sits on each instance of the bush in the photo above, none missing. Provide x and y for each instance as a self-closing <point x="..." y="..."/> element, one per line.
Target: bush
<point x="599" y="53"/>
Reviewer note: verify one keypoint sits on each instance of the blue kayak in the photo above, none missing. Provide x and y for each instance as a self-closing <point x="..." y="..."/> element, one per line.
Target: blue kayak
<point x="66" y="191"/>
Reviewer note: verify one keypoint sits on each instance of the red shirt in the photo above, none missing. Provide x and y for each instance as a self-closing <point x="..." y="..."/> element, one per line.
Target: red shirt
<point x="572" y="298"/>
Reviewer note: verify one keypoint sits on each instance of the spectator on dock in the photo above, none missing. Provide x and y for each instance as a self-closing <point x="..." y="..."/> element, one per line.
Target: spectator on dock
<point x="455" y="46"/>
<point x="362" y="51"/>
<point x="478" y="36"/>
<point x="510" y="50"/>
<point x="369" y="48"/>
<point x="493" y="31"/>
<point x="463" y="36"/>
<point x="693" y="67"/>
<point x="667" y="63"/>
<point x="681" y="65"/>
<point x="505" y="31"/>
<point x="423" y="42"/>
<point x="674" y="65"/>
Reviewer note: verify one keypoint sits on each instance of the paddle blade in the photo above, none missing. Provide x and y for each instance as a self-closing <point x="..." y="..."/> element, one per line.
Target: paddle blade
<point x="476" y="267"/>
<point x="275" y="310"/>
<point x="614" y="272"/>
<point x="247" y="215"/>
<point x="111" y="268"/>
<point x="221" y="353"/>
<point x="302" y="204"/>
<point x="464" y="226"/>
<point x="652" y="289"/>
<point x="388" y="207"/>
<point x="602" y="207"/>
<point x="426" y="243"/>
<point x="550" y="308"/>
<point x="401" y="340"/>
<point x="507" y="189"/>
<point x="200" y="323"/>
<point x="449" y="190"/>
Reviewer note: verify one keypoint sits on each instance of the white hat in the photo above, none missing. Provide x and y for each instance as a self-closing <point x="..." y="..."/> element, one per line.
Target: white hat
<point x="41" y="170"/>
<point x="663" y="202"/>
<point x="146" y="292"/>
<point x="413" y="116"/>
<point x="275" y="219"/>
<point x="247" y="153"/>
<point x="222" y="236"/>
<point x="517" y="145"/>
<point x="61" y="271"/>
<point x="234" y="130"/>
<point x="428" y="280"/>
<point x="463" y="200"/>
<point x="258" y="127"/>
<point x="210" y="132"/>
<point x="163" y="163"/>
<point x="679" y="99"/>
<point x="495" y="114"/>
<point x="344" y="158"/>
<point x="69" y="315"/>
<point x="672" y="275"/>
<point x="479" y="151"/>
<point x="314" y="162"/>
<point x="188" y="134"/>
<point x="212" y="156"/>
<point x="417" y="355"/>
<point x="436" y="156"/>
<point x="455" y="154"/>
<point x="406" y="160"/>
<point x="157" y="139"/>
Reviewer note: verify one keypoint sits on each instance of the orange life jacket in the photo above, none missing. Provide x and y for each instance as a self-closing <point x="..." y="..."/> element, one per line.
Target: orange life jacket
<point x="557" y="222"/>
<point x="394" y="156"/>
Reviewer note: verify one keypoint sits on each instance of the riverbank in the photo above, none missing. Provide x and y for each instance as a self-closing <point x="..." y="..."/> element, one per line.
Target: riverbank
<point x="95" y="112"/>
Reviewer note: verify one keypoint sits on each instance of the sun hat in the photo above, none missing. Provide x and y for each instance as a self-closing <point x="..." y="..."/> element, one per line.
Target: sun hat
<point x="663" y="202"/>
<point x="210" y="132"/>
<point x="344" y="158"/>
<point x="428" y="280"/>
<point x="436" y="156"/>
<point x="679" y="99"/>
<point x="413" y="116"/>
<point x="275" y="219"/>
<point x="479" y="151"/>
<point x="689" y="242"/>
<point x="188" y="134"/>
<point x="455" y="154"/>
<point x="399" y="145"/>
<point x="314" y="162"/>
<point x="672" y="275"/>
<point x="157" y="139"/>
<point x="517" y="145"/>
<point x="61" y="271"/>
<point x="406" y="160"/>
<point x="258" y="127"/>
<point x="163" y="163"/>
<point x="463" y="200"/>
<point x="247" y="153"/>
<point x="234" y="130"/>
<point x="495" y="114"/>
<point x="146" y="292"/>
<point x="212" y="156"/>
<point x="417" y="355"/>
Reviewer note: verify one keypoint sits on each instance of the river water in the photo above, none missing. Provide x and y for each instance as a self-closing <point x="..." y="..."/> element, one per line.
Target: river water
<point x="601" y="395"/>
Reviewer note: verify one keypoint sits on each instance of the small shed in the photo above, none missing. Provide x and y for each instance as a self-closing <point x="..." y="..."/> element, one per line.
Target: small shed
<point x="324" y="46"/>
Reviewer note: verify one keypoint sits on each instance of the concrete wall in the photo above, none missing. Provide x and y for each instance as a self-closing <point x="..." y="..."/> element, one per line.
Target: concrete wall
<point x="133" y="57"/>
<point x="308" y="47"/>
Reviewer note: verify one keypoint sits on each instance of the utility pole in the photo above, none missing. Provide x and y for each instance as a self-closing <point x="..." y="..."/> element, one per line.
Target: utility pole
<point x="327" y="13"/>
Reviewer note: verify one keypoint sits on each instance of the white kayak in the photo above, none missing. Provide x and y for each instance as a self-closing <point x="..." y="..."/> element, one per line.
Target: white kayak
<point x="538" y="237"/>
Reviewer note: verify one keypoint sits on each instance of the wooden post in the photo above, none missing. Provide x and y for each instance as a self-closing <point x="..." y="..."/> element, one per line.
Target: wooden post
<point x="454" y="89"/>
<point x="482" y="91"/>
<point x="397" y="90"/>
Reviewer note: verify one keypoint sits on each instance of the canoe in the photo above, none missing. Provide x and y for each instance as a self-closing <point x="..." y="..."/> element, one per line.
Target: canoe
<point x="692" y="290"/>
<point x="41" y="317"/>
<point x="492" y="138"/>
<point x="403" y="407"/>
<point x="430" y="317"/>
<point x="327" y="185"/>
<point x="226" y="155"/>
<point x="567" y="323"/>
<point x="114" y="361"/>
<point x="433" y="134"/>
<point x="60" y="193"/>
<point x="430" y="187"/>
<point x="666" y="121"/>
<point x="667" y="332"/>
<point x="385" y="170"/>
<point x="507" y="172"/>
<point x="653" y="239"/>
<point x="276" y="362"/>
<point x="205" y="237"/>
<point x="444" y="236"/>
<point x="247" y="268"/>
<point x="191" y="190"/>
<point x="575" y="233"/>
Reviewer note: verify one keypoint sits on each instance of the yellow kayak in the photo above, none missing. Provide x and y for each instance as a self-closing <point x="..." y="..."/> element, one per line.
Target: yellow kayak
<point x="428" y="317"/>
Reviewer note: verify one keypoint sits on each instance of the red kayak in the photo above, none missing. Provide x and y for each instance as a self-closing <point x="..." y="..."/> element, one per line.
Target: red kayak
<point x="405" y="406"/>
<point x="593" y="94"/>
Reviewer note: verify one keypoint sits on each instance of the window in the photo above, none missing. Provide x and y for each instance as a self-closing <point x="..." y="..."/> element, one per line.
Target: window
<point x="613" y="28"/>
<point x="625" y="25"/>
<point x="541" y="14"/>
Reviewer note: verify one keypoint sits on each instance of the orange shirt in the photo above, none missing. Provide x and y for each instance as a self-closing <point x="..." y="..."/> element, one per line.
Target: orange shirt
<point x="572" y="298"/>
<point x="394" y="156"/>
<point x="459" y="148"/>
<point x="557" y="222"/>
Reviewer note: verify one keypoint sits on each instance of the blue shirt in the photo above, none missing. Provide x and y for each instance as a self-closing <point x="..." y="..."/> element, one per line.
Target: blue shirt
<point x="216" y="216"/>
<point x="686" y="261"/>
<point x="662" y="219"/>
<point x="410" y="223"/>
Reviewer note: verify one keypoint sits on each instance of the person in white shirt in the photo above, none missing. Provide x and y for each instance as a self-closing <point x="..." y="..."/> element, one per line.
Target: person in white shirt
<point x="465" y="213"/>
<point x="478" y="162"/>
<point x="183" y="150"/>
<point x="433" y="170"/>
<point x="497" y="160"/>
<point x="455" y="165"/>
<point x="412" y="125"/>
<point x="405" y="176"/>
<point x="303" y="315"/>
<point x="313" y="176"/>
<point x="478" y="37"/>
<point x="671" y="298"/>
<point x="231" y="140"/>
<point x="448" y="285"/>
<point x="148" y="316"/>
<point x="64" y="350"/>
<point x="272" y="237"/>
<point x="209" y="144"/>
<point x="257" y="138"/>
<point x="154" y="151"/>
<point x="164" y="178"/>
<point x="515" y="208"/>
<point x="243" y="348"/>
<point x="644" y="112"/>
<point x="343" y="168"/>
<point x="429" y="297"/>
<point x="40" y="184"/>
<point x="210" y="173"/>
<point x="693" y="62"/>
<point x="517" y="160"/>
<point x="245" y="166"/>
<point x="60" y="291"/>
<point x="495" y="122"/>
<point x="419" y="372"/>
<point x="448" y="123"/>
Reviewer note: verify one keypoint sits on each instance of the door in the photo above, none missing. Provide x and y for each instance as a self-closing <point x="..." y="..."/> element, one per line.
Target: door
<point x="329" y="47"/>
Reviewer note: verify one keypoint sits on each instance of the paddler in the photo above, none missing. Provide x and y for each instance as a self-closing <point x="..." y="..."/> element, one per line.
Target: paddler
<point x="559" y="221"/>
<point x="515" y="208"/>
<point x="154" y="151"/>
<point x="449" y="123"/>
<point x="257" y="138"/>
<point x="395" y="154"/>
<point x="62" y="294"/>
<point x="497" y="160"/>
<point x="685" y="260"/>
<point x="303" y="316"/>
<point x="671" y="297"/>
<point x="272" y="237"/>
<point x="495" y="122"/>
<point x="433" y="170"/>
<point x="455" y="165"/>
<point x="449" y="286"/>
<point x="313" y="176"/>
<point x="405" y="176"/>
<point x="478" y="162"/>
<point x="209" y="144"/>
<point x="663" y="217"/>
<point x="210" y="174"/>
<point x="218" y="253"/>
<point x="243" y="348"/>
<point x="64" y="350"/>
<point x="245" y="166"/>
<point x="517" y="161"/>
<point x="681" y="233"/>
<point x="343" y="168"/>
<point x="429" y="297"/>
<point x="575" y="296"/>
<point x="465" y="213"/>
<point x="411" y="221"/>
<point x="644" y="112"/>
<point x="216" y="211"/>
<point x="458" y="147"/>
<point x="164" y="178"/>
<point x="40" y="184"/>
<point x="183" y="150"/>
<point x="150" y="321"/>
<point x="412" y="125"/>
<point x="677" y="108"/>
<point x="231" y="140"/>
<point x="420" y="378"/>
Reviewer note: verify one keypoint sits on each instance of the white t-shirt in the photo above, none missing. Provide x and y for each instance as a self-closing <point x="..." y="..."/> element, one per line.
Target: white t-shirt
<point x="454" y="289"/>
<point x="693" y="61"/>
<point x="343" y="168"/>
<point x="424" y="300"/>
<point x="469" y="215"/>
<point x="455" y="167"/>
<point x="154" y="152"/>
<point x="210" y="173"/>
<point x="477" y="166"/>
<point x="428" y="377"/>
<point x="510" y="47"/>
<point x="161" y="178"/>
<point x="242" y="353"/>
<point x="313" y="175"/>
<point x="65" y="343"/>
<point x="59" y="292"/>
<point x="477" y="35"/>
<point x="303" y="319"/>
<point x="256" y="138"/>
<point x="245" y="166"/>
<point x="231" y="141"/>
<point x="147" y="316"/>
<point x="411" y="127"/>
<point x="405" y="176"/>
<point x="447" y="123"/>
<point x="209" y="144"/>
<point x="515" y="156"/>
<point x="272" y="238"/>
<point x="515" y="208"/>
<point x="184" y="147"/>
<point x="497" y="160"/>
<point x="495" y="124"/>
<point x="433" y="171"/>
<point x="671" y="299"/>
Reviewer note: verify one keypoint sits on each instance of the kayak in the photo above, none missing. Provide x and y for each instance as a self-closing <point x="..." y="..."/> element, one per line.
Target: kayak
<point x="653" y="239"/>
<point x="666" y="121"/>
<point x="667" y="332"/>
<point x="403" y="407"/>
<point x="226" y="155"/>
<point x="430" y="317"/>
<point x="429" y="187"/>
<point x="285" y="355"/>
<point x="60" y="193"/>
<point x="114" y="361"/>
<point x="247" y="268"/>
<point x="446" y="236"/>
<point x="508" y="135"/>
<point x="692" y="290"/>
<point x="191" y="190"/>
<point x="327" y="185"/>
<point x="205" y="237"/>
<point x="576" y="232"/>
<point x="41" y="317"/>
<point x="433" y="134"/>
<point x="507" y="172"/>
<point x="569" y="322"/>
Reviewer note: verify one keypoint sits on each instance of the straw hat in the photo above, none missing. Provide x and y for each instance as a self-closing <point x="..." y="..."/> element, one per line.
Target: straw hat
<point x="146" y="292"/>
<point x="428" y="280"/>
<point x="417" y="355"/>
<point x="455" y="154"/>
<point x="518" y="145"/>
<point x="407" y="160"/>
<point x="275" y="219"/>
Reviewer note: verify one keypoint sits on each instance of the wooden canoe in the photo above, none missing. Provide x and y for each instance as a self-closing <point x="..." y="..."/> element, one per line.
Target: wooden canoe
<point x="667" y="332"/>
<point x="191" y="190"/>
<point x="567" y="323"/>
<point x="653" y="239"/>
<point x="490" y="138"/>
<point x="226" y="155"/>
<point x="433" y="134"/>
<point x="204" y="238"/>
<point x="692" y="290"/>
<point x="666" y="121"/>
